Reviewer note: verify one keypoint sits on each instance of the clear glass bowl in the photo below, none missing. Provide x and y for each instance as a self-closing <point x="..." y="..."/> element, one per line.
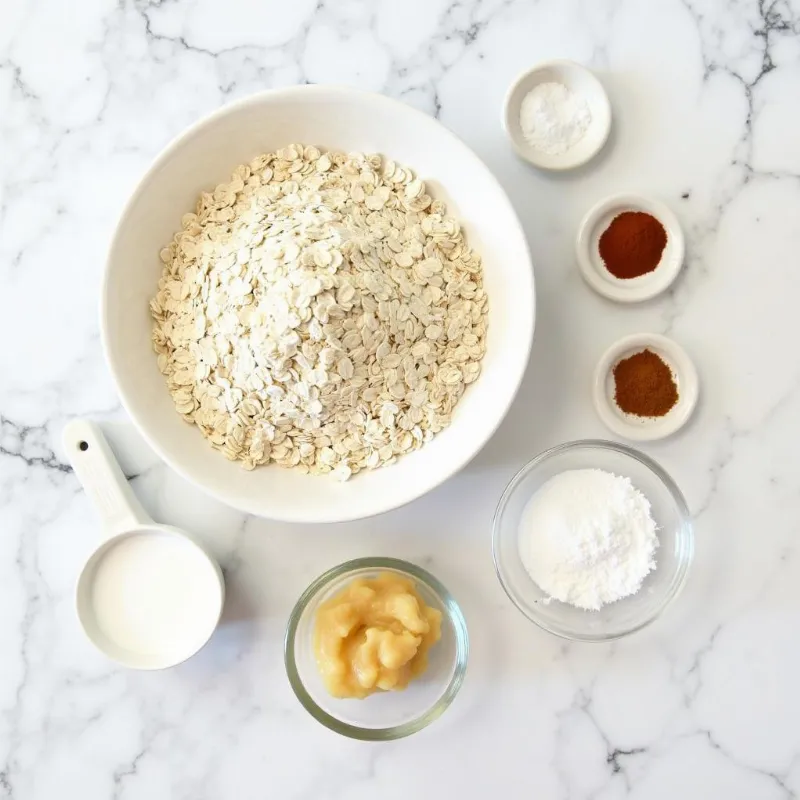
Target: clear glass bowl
<point x="673" y="556"/>
<point x="384" y="715"/>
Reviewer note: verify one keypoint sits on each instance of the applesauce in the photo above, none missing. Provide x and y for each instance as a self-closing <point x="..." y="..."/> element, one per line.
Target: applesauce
<point x="374" y="635"/>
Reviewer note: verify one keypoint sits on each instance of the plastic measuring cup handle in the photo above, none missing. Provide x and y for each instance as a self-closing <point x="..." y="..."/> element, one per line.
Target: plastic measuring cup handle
<point x="102" y="479"/>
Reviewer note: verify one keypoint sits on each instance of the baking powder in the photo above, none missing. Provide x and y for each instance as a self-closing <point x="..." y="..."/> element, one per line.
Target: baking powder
<point x="553" y="118"/>
<point x="587" y="538"/>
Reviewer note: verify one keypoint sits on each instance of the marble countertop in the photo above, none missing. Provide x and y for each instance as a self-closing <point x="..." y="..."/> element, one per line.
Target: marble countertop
<point x="706" y="702"/>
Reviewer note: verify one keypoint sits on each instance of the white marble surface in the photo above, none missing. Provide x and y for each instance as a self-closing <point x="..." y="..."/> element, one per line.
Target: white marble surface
<point x="706" y="703"/>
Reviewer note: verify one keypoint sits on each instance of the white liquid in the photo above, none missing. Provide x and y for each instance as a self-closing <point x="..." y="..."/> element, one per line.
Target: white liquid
<point x="155" y="594"/>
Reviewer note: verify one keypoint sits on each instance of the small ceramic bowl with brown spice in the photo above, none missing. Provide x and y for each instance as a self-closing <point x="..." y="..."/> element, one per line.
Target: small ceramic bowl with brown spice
<point x="630" y="248"/>
<point x="645" y="387"/>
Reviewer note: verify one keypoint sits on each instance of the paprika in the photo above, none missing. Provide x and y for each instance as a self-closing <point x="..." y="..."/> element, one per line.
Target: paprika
<point x="632" y="244"/>
<point x="644" y="385"/>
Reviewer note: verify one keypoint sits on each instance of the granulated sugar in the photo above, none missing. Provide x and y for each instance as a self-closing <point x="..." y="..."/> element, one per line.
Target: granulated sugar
<point x="587" y="538"/>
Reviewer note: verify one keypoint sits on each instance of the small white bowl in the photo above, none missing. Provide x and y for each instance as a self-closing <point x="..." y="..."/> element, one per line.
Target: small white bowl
<point x="644" y="429"/>
<point x="577" y="79"/>
<point x="593" y="268"/>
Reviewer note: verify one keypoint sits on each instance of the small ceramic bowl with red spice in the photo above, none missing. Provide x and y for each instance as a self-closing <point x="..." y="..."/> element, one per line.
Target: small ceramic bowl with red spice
<point x="630" y="248"/>
<point x="645" y="387"/>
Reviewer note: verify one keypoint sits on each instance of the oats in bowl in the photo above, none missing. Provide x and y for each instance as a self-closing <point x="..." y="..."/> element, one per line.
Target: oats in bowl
<point x="319" y="311"/>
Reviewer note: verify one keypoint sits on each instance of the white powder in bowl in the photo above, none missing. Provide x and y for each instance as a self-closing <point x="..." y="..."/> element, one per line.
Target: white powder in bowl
<point x="553" y="118"/>
<point x="587" y="538"/>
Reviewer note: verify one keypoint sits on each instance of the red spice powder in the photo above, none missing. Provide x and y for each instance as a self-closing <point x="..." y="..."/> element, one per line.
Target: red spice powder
<point x="632" y="245"/>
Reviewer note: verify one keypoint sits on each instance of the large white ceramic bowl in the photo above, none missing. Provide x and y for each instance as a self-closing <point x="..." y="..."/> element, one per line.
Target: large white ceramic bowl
<point x="331" y="118"/>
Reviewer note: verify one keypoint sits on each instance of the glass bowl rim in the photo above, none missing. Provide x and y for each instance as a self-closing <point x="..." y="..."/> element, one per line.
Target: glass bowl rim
<point x="686" y="532"/>
<point x="454" y="614"/>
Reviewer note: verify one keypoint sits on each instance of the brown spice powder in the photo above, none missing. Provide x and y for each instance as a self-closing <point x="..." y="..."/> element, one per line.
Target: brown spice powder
<point x="644" y="385"/>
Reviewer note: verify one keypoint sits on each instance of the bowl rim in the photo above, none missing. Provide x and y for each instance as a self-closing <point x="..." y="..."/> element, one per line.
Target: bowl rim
<point x="301" y="514"/>
<point x="454" y="613"/>
<point x="686" y="531"/>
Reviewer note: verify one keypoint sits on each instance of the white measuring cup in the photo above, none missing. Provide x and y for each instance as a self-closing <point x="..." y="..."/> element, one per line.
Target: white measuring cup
<point x="149" y="596"/>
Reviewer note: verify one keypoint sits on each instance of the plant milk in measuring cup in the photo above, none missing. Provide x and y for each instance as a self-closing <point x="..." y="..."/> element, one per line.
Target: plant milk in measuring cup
<point x="150" y="596"/>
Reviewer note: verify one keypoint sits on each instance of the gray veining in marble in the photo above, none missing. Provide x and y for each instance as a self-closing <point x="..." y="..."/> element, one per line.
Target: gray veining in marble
<point x="705" y="703"/>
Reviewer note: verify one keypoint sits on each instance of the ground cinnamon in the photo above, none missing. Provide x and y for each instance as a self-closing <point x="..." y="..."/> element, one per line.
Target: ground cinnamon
<point x="644" y="385"/>
<point x="632" y="245"/>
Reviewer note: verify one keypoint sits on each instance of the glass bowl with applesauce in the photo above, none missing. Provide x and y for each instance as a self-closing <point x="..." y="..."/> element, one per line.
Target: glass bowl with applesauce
<point x="432" y="618"/>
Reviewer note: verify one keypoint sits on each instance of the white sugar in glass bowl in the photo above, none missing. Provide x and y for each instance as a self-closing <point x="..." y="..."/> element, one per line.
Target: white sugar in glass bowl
<point x="330" y="118"/>
<point x="673" y="555"/>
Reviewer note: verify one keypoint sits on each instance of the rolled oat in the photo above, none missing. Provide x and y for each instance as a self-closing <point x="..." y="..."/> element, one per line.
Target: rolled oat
<point x="319" y="311"/>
